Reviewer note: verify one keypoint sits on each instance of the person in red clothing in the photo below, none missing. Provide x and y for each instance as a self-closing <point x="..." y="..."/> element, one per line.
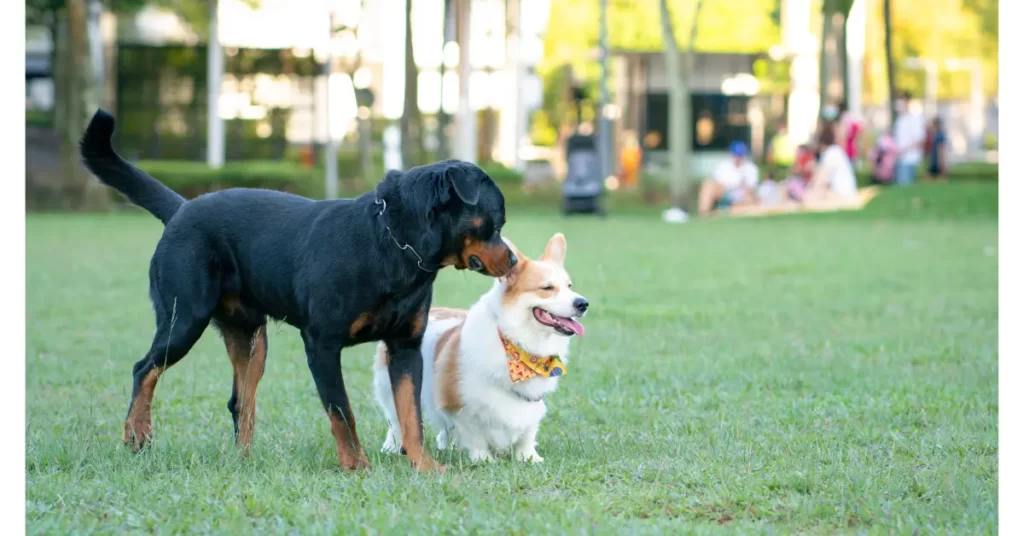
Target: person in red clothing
<point x="848" y="131"/>
<point x="801" y="172"/>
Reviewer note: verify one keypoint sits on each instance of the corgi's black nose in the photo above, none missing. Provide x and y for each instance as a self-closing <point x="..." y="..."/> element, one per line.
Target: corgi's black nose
<point x="581" y="304"/>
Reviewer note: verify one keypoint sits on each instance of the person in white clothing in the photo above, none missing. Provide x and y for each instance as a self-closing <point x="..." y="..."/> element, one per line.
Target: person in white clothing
<point x="833" y="178"/>
<point x="909" y="133"/>
<point x="733" y="183"/>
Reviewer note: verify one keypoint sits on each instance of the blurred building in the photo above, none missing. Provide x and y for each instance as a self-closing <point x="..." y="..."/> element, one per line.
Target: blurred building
<point x="273" y="85"/>
<point x="723" y="96"/>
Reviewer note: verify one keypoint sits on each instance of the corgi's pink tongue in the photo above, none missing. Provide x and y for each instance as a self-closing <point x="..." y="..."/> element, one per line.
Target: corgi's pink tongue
<point x="569" y="324"/>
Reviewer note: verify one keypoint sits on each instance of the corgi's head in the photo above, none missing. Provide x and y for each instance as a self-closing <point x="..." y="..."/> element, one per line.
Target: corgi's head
<point x="538" y="297"/>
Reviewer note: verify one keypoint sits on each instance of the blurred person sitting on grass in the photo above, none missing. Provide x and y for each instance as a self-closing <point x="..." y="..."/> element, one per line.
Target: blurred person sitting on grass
<point x="734" y="182"/>
<point x="833" y="179"/>
<point x="801" y="173"/>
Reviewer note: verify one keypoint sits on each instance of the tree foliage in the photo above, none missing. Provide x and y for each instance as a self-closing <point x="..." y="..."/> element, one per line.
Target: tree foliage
<point x="937" y="29"/>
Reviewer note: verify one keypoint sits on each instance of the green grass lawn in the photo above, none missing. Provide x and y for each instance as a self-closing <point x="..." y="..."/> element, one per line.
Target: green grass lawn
<point x="824" y="374"/>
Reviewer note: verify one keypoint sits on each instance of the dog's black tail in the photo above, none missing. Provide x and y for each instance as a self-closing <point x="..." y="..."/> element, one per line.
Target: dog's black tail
<point x="116" y="172"/>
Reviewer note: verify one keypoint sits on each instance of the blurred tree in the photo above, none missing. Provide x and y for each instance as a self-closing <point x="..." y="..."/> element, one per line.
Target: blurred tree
<point x="679" y="69"/>
<point x="890" y="65"/>
<point x="76" y="95"/>
<point x="832" y="52"/>
<point x="939" y="30"/>
<point x="411" y="122"/>
<point x="634" y="25"/>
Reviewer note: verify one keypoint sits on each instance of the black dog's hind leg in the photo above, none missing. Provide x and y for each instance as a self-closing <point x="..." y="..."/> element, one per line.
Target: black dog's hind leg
<point x="324" y="359"/>
<point x="184" y="300"/>
<point x="406" y="372"/>
<point x="247" y="349"/>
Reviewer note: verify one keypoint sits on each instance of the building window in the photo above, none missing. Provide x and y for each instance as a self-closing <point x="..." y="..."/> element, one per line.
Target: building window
<point x="717" y="121"/>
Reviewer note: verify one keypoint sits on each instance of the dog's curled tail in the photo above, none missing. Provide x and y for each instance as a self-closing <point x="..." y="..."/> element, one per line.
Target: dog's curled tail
<point x="138" y="186"/>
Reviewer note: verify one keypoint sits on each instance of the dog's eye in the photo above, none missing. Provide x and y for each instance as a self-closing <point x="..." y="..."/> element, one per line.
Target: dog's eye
<point x="548" y="287"/>
<point x="570" y="285"/>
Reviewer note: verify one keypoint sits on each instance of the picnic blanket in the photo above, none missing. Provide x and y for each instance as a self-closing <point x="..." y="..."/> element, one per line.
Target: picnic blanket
<point x="864" y="195"/>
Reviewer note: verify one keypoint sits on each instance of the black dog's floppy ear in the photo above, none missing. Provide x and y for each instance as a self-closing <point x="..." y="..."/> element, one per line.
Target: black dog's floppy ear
<point x="466" y="181"/>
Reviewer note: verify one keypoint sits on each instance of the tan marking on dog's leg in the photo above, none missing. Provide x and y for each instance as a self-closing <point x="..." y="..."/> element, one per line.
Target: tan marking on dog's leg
<point x="248" y="359"/>
<point x="350" y="451"/>
<point x="138" y="427"/>
<point x="361" y="322"/>
<point x="419" y="323"/>
<point x="412" y="442"/>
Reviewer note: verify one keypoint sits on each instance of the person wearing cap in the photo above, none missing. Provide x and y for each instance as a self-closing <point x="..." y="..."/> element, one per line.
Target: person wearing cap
<point x="734" y="181"/>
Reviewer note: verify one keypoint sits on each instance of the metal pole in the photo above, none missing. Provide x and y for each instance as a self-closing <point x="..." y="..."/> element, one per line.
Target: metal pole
<point x="214" y="73"/>
<point x="855" y="28"/>
<point x="330" y="149"/>
<point x="931" y="90"/>
<point x="604" y="126"/>
<point x="931" y="82"/>
<point x="976" y="113"/>
<point x="977" y="121"/>
<point x="466" y="133"/>
<point x="442" y="116"/>
<point x="96" y="44"/>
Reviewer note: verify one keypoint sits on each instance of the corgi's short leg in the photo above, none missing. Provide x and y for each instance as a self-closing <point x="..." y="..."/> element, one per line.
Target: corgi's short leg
<point x="479" y="450"/>
<point x="526" y="447"/>
<point x="386" y="401"/>
<point x="480" y="455"/>
<point x="446" y="438"/>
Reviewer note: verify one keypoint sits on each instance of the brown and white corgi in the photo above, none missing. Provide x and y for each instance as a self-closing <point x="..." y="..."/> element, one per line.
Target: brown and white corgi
<point x="487" y="370"/>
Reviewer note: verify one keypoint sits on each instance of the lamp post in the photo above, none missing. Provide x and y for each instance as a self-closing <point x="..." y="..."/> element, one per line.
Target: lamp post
<point x="976" y="117"/>
<point x="604" y="132"/>
<point x="214" y="73"/>
<point x="330" y="149"/>
<point x="342" y="45"/>
<point x="931" y="81"/>
<point x="466" y="134"/>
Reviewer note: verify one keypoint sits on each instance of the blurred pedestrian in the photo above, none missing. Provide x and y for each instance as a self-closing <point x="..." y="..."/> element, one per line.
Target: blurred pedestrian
<point x="909" y="134"/>
<point x="937" y="148"/>
<point x="849" y="132"/>
<point x="630" y="157"/>
<point x="883" y="159"/>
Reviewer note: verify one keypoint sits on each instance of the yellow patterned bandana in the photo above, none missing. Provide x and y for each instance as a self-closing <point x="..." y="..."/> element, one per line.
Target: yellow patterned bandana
<point x="523" y="365"/>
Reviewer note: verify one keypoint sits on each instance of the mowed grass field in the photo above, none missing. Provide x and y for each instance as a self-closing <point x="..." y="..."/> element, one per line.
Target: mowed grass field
<point x="826" y="374"/>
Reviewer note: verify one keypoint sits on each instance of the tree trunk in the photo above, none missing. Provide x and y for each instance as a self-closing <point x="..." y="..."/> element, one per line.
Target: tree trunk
<point x="79" y="98"/>
<point x="679" y="67"/>
<point x="823" y="59"/>
<point x="889" y="65"/>
<point x="410" y="122"/>
<point x="844" y="60"/>
<point x="61" y="70"/>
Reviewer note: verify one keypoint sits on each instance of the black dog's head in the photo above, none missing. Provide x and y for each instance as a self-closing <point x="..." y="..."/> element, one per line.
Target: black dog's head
<point x="458" y="212"/>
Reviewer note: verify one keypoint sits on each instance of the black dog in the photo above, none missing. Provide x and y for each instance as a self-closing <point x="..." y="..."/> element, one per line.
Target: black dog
<point x="343" y="272"/>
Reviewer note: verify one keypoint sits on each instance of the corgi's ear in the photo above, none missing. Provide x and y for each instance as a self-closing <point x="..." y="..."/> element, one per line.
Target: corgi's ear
<point x="555" y="250"/>
<point x="518" y="268"/>
<point x="519" y="254"/>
